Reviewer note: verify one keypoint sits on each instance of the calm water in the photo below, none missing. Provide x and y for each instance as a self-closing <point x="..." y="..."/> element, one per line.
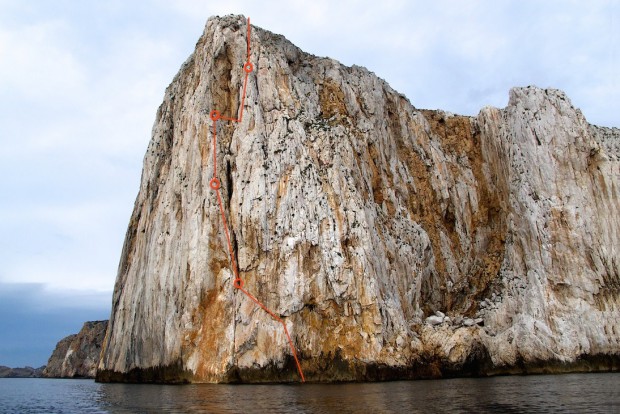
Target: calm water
<point x="579" y="393"/>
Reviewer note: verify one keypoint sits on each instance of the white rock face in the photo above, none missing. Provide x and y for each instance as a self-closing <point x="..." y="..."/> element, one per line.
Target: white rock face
<point x="561" y="267"/>
<point x="354" y="217"/>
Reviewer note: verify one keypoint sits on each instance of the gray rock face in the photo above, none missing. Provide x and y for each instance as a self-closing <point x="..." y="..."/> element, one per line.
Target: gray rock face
<point x="77" y="356"/>
<point x="355" y="217"/>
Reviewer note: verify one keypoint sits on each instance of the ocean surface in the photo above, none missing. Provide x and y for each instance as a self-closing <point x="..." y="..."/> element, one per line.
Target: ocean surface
<point x="572" y="393"/>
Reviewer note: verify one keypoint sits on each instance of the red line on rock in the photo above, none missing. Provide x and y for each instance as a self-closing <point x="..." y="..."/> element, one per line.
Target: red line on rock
<point x="214" y="146"/>
<point x="245" y="84"/>
<point x="230" y="250"/>
<point x="215" y="185"/>
<point x="277" y="318"/>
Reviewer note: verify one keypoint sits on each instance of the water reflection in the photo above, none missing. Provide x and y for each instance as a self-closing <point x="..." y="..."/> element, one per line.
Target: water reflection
<point x="533" y="394"/>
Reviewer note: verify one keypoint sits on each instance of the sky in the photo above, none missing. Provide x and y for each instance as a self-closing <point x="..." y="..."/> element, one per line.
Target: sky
<point x="80" y="83"/>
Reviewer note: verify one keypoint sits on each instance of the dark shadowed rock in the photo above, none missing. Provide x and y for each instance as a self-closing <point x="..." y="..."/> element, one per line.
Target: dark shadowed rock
<point x="77" y="356"/>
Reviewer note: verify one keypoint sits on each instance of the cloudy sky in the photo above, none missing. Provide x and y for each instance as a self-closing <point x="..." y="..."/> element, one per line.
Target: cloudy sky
<point x="80" y="82"/>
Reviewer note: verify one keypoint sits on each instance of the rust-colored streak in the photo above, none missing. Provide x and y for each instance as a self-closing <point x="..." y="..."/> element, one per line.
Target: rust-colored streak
<point x="457" y="136"/>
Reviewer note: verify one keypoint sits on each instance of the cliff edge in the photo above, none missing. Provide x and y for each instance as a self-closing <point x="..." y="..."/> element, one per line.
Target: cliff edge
<point x="393" y="242"/>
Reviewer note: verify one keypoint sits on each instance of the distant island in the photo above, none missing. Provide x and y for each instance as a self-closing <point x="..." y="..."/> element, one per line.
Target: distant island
<point x="25" y="372"/>
<point x="75" y="356"/>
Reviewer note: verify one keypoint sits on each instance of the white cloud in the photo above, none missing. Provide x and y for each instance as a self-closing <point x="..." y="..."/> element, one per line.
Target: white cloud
<point x="76" y="121"/>
<point x="35" y="63"/>
<point x="63" y="246"/>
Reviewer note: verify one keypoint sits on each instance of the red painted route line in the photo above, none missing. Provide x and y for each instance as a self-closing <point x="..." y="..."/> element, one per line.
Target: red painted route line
<point x="215" y="185"/>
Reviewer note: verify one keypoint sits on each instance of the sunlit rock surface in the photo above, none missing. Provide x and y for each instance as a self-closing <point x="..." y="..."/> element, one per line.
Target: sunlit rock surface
<point x="394" y="242"/>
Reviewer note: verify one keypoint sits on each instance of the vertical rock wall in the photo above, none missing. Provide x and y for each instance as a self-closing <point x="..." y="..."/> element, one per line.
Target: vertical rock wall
<point x="560" y="274"/>
<point x="355" y="217"/>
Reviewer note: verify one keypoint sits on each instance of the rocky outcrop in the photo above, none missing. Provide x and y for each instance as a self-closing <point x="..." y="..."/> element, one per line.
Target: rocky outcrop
<point x="393" y="242"/>
<point x="77" y="356"/>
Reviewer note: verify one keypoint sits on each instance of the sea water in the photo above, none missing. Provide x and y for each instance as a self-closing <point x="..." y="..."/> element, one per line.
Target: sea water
<point x="571" y="393"/>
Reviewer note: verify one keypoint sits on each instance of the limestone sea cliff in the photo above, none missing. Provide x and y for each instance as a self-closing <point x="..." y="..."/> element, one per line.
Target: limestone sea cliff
<point x="394" y="242"/>
<point x="77" y="356"/>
